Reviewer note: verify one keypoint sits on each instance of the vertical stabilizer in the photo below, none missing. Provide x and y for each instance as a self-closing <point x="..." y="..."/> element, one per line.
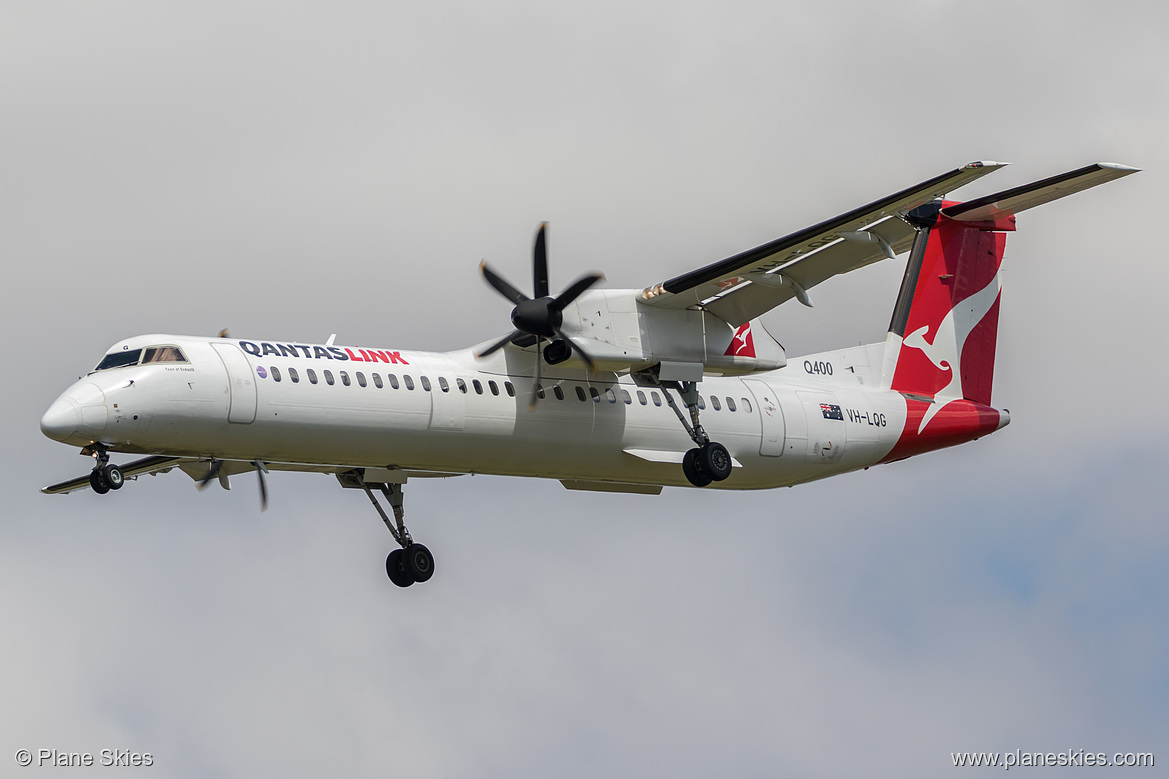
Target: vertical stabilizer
<point x="945" y="325"/>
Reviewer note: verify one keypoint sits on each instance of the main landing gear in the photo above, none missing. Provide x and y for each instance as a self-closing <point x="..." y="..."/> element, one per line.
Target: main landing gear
<point x="708" y="461"/>
<point x="105" y="476"/>
<point x="413" y="562"/>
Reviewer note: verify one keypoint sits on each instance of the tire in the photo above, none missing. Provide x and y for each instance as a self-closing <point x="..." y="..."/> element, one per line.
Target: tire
<point x="113" y="476"/>
<point x="418" y="562"/>
<point x="97" y="480"/>
<point x="395" y="571"/>
<point x="714" y="460"/>
<point x="692" y="469"/>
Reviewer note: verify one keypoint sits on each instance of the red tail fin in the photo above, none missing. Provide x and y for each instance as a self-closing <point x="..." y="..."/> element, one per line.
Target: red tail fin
<point x="947" y="315"/>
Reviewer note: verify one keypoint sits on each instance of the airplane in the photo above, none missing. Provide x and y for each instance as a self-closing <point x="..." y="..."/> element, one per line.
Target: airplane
<point x="610" y="390"/>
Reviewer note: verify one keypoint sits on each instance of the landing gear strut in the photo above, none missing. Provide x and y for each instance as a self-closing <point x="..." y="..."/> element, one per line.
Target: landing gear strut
<point x="413" y="562"/>
<point x="709" y="460"/>
<point x="105" y="476"/>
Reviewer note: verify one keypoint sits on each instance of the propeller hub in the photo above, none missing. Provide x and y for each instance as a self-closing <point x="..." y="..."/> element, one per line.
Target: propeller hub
<point x="537" y="317"/>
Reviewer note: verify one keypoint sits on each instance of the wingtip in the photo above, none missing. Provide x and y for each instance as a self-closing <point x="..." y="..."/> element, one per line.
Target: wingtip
<point x="1122" y="169"/>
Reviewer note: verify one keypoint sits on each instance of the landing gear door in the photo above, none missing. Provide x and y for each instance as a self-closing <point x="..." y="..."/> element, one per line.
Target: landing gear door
<point x="771" y="416"/>
<point x="240" y="382"/>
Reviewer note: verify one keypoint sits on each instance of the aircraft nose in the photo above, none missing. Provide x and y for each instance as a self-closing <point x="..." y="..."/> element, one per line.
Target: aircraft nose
<point x="61" y="420"/>
<point x="81" y="408"/>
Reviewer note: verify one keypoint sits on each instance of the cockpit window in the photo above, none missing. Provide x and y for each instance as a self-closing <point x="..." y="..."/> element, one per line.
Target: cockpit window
<point x="119" y="359"/>
<point x="162" y="354"/>
<point x="141" y="357"/>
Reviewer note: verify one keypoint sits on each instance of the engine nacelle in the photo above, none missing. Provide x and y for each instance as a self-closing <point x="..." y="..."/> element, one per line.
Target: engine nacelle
<point x="622" y="334"/>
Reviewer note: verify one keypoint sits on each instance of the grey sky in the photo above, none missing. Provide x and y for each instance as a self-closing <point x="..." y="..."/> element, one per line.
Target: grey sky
<point x="291" y="170"/>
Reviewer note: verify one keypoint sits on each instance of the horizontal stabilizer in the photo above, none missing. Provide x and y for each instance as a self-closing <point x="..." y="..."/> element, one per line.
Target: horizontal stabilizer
<point x="1011" y="201"/>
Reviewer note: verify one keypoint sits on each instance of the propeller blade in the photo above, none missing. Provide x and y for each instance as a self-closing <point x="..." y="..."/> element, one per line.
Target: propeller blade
<point x="502" y="342"/>
<point x="212" y="472"/>
<point x="261" y="469"/>
<point x="540" y="264"/>
<point x="583" y="354"/>
<point x="536" y="382"/>
<point x="573" y="292"/>
<point x="501" y="285"/>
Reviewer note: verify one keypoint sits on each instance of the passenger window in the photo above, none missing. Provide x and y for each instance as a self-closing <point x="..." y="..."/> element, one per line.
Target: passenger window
<point x="426" y="383"/>
<point x="641" y="397"/>
<point x="494" y="387"/>
<point x="462" y="386"/>
<point x="312" y="376"/>
<point x="559" y="393"/>
<point x="442" y="385"/>
<point x="345" y="379"/>
<point x="540" y="391"/>
<point x="626" y="398"/>
<point x="329" y="378"/>
<point x="746" y="405"/>
<point x="478" y="387"/>
<point x="408" y="381"/>
<point x="275" y="373"/>
<point x="610" y="395"/>
<point x="731" y="404"/>
<point x="377" y="380"/>
<point x="393" y="380"/>
<point x="715" y="404"/>
<point x="510" y="389"/>
<point x="656" y="399"/>
<point x="292" y="374"/>
<point x="596" y="396"/>
<point x="701" y="403"/>
<point x="580" y="392"/>
<point x="360" y="379"/>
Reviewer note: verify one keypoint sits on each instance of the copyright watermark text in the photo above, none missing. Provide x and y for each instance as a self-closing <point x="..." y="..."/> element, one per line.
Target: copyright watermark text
<point x="58" y="758"/>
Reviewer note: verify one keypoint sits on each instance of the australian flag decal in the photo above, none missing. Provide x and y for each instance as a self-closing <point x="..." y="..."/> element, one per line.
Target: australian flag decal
<point x="831" y="411"/>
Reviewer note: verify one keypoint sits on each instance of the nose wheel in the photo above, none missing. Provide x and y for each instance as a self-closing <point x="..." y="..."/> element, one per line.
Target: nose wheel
<point x="105" y="476"/>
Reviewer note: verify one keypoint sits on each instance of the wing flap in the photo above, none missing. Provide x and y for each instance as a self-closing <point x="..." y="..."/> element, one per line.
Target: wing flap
<point x="759" y="293"/>
<point x="694" y="287"/>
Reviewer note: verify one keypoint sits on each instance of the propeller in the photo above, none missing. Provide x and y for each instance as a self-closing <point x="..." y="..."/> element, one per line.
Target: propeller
<point x="261" y="469"/>
<point x="542" y="315"/>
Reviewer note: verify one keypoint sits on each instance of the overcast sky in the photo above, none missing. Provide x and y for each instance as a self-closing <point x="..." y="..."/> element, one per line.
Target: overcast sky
<point x="290" y="170"/>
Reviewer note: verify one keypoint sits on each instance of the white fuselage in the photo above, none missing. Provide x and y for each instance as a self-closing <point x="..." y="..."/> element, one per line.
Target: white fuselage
<point x="450" y="413"/>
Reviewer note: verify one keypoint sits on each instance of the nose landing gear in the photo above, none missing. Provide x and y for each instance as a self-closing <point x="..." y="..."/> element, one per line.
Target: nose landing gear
<point x="105" y="476"/>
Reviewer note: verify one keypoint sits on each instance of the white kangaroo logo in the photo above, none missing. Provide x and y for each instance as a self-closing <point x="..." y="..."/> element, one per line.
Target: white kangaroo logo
<point x="946" y="350"/>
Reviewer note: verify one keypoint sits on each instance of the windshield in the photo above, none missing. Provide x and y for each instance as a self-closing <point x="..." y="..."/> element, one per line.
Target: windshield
<point x="119" y="359"/>
<point x="150" y="354"/>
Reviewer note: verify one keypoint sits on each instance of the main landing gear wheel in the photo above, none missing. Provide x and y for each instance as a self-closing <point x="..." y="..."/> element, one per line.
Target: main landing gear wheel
<point x="97" y="480"/>
<point x="418" y="562"/>
<point x="692" y="469"/>
<point x="113" y="476"/>
<point x="413" y="563"/>
<point x="714" y="460"/>
<point x="395" y="571"/>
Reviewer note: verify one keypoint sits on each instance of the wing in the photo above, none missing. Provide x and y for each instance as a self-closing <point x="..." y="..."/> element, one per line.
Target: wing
<point x="198" y="467"/>
<point x="132" y="470"/>
<point x="749" y="284"/>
